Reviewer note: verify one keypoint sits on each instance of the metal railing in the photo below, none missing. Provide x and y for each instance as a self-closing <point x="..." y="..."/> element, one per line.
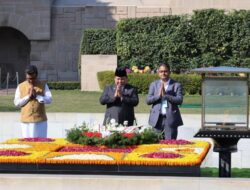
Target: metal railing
<point x="5" y="82"/>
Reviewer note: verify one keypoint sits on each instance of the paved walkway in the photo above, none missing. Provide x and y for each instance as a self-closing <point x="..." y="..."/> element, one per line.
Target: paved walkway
<point x="114" y="182"/>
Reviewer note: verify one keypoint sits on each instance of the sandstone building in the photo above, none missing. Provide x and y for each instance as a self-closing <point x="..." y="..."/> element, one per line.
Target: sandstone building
<point x="47" y="33"/>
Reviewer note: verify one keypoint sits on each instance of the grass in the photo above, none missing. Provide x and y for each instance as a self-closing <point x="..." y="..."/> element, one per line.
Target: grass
<point x="88" y="102"/>
<point x="235" y="172"/>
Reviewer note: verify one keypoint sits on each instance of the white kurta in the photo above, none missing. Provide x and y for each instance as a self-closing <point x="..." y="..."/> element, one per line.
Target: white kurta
<point x="37" y="129"/>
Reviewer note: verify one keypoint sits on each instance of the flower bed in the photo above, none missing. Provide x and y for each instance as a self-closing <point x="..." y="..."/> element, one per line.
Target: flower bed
<point x="167" y="153"/>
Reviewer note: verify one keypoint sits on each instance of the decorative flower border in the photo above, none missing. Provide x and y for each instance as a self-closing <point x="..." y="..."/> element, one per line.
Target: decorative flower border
<point x="45" y="153"/>
<point x="31" y="157"/>
<point x="49" y="158"/>
<point x="192" y="154"/>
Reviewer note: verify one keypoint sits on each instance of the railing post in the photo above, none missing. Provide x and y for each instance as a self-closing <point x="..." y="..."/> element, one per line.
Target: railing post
<point x="17" y="79"/>
<point x="7" y="82"/>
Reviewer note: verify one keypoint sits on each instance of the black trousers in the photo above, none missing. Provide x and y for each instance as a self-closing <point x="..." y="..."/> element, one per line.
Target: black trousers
<point x="162" y="126"/>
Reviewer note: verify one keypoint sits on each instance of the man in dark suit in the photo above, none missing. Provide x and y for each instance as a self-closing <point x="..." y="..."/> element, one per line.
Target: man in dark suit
<point x="120" y="98"/>
<point x="165" y="95"/>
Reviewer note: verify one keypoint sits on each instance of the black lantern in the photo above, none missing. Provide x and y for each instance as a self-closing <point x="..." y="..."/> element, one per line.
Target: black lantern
<point x="225" y="110"/>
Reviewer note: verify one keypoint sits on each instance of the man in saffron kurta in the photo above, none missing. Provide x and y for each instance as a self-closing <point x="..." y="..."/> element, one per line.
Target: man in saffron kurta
<point x="31" y="95"/>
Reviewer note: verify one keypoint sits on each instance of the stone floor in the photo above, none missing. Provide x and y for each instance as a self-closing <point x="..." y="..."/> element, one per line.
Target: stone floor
<point x="96" y="182"/>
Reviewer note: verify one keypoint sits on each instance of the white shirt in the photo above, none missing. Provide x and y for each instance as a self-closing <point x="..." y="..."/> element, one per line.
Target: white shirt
<point x="46" y="99"/>
<point x="164" y="103"/>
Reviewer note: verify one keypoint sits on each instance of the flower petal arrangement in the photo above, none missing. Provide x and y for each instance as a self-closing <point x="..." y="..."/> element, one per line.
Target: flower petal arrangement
<point x="120" y="150"/>
<point x="107" y="158"/>
<point x="165" y="153"/>
<point x="58" y="141"/>
<point x="27" y="157"/>
<point x="80" y="148"/>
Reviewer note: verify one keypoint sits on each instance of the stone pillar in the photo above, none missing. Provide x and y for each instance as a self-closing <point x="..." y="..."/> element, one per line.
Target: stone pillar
<point x="90" y="65"/>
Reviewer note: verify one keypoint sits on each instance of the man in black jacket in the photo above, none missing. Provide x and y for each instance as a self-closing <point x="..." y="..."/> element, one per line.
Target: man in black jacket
<point x="120" y="98"/>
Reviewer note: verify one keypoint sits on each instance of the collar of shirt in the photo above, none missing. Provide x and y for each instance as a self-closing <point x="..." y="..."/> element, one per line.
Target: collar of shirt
<point x="166" y="85"/>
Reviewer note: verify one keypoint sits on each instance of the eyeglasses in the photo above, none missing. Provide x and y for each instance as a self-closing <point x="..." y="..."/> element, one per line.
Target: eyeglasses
<point x="163" y="71"/>
<point x="30" y="78"/>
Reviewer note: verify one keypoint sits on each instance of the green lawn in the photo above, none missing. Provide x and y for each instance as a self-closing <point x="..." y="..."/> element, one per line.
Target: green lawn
<point x="88" y="102"/>
<point x="235" y="172"/>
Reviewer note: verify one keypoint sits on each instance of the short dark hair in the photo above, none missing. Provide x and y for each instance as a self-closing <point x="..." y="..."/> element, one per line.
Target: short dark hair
<point x="164" y="65"/>
<point x="120" y="72"/>
<point x="31" y="70"/>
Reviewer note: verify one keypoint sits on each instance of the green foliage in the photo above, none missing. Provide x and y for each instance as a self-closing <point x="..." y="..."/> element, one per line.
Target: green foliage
<point x="64" y="85"/>
<point x="118" y="139"/>
<point x="191" y="83"/>
<point x="82" y="135"/>
<point x="141" y="81"/>
<point x="98" y="41"/>
<point x="105" y="78"/>
<point x="86" y="140"/>
<point x="151" y="41"/>
<point x="73" y="135"/>
<point x="207" y="38"/>
<point x="148" y="136"/>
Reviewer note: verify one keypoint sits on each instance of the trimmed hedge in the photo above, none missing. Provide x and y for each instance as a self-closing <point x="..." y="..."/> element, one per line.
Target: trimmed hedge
<point x="191" y="82"/>
<point x="98" y="41"/>
<point x="105" y="78"/>
<point x="206" y="38"/>
<point x="64" y="85"/>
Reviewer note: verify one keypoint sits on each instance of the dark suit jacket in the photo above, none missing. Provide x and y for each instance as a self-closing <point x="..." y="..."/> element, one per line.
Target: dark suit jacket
<point x="120" y="109"/>
<point x="173" y="96"/>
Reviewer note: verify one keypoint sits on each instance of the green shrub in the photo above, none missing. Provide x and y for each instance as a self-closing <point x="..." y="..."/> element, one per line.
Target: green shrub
<point x="98" y="41"/>
<point x="105" y="78"/>
<point x="141" y="81"/>
<point x="191" y="82"/>
<point x="207" y="38"/>
<point x="151" y="41"/>
<point x="64" y="85"/>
